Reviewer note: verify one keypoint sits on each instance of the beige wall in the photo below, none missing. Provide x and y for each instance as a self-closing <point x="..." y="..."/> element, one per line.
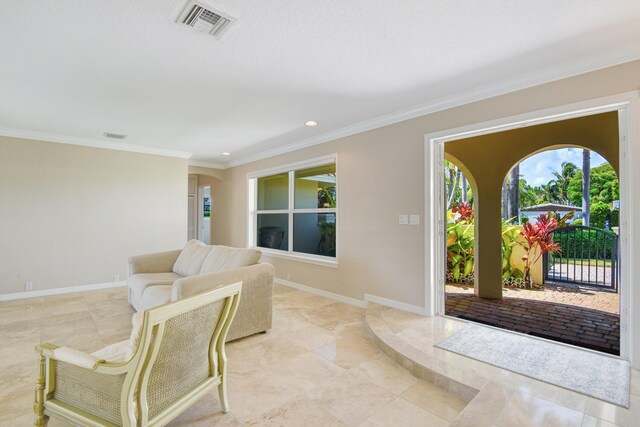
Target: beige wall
<point x="216" y="220"/>
<point x="71" y="215"/>
<point x="381" y="174"/>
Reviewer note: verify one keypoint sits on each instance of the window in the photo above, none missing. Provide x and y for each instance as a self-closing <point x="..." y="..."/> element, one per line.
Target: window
<point x="294" y="210"/>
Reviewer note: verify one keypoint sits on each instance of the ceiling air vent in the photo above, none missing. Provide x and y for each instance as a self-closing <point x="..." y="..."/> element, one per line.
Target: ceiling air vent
<point x="114" y="135"/>
<point x="204" y="19"/>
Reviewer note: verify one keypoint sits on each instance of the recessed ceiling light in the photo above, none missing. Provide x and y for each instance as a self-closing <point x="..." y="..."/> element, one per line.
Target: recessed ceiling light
<point x="226" y="153"/>
<point x="311" y="123"/>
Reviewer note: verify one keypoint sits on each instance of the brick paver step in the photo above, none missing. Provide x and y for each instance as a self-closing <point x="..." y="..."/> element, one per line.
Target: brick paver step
<point x="575" y="325"/>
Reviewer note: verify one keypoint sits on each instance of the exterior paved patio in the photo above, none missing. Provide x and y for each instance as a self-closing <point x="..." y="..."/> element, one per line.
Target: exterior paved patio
<point x="584" y="318"/>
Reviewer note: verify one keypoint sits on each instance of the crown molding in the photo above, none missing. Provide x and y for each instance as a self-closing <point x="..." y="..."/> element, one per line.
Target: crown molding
<point x="486" y="92"/>
<point x="212" y="165"/>
<point x="91" y="142"/>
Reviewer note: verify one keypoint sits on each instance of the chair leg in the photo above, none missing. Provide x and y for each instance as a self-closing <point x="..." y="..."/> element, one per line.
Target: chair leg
<point x="39" y="419"/>
<point x="222" y="392"/>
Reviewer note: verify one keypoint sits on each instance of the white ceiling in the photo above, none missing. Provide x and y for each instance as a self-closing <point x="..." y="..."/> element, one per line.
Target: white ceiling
<point x="73" y="69"/>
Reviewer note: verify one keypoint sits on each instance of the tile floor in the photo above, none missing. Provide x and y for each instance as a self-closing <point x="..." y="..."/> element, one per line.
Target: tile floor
<point x="504" y="398"/>
<point x="316" y="367"/>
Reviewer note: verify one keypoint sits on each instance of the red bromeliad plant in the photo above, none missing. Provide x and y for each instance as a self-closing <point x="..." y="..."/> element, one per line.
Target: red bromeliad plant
<point x="465" y="211"/>
<point x="537" y="236"/>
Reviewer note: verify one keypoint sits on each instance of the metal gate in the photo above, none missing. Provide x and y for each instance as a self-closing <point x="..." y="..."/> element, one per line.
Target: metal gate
<point x="589" y="256"/>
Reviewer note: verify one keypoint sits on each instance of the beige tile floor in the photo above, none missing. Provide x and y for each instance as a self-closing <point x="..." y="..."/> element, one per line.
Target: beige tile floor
<point x="505" y="399"/>
<point x="316" y="367"/>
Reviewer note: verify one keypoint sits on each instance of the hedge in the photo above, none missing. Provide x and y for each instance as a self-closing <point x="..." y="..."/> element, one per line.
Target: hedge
<point x="573" y="244"/>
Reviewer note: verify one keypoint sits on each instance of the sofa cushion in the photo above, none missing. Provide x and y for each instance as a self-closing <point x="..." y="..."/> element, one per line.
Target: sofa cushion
<point x="190" y="259"/>
<point x="156" y="295"/>
<point x="139" y="282"/>
<point x="223" y="258"/>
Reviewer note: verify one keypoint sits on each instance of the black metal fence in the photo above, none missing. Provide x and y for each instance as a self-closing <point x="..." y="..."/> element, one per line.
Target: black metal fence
<point x="588" y="256"/>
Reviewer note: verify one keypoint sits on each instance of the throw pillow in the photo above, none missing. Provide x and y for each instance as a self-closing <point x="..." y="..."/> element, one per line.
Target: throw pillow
<point x="190" y="259"/>
<point x="222" y="258"/>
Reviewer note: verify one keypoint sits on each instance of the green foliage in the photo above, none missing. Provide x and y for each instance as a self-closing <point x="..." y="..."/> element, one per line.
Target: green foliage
<point x="460" y="255"/>
<point x="604" y="186"/>
<point x="510" y="234"/>
<point x="459" y="248"/>
<point x="578" y="222"/>
<point x="563" y="181"/>
<point x="524" y="220"/>
<point x="327" y="197"/>
<point x="589" y="243"/>
<point x="327" y="242"/>
<point x="600" y="213"/>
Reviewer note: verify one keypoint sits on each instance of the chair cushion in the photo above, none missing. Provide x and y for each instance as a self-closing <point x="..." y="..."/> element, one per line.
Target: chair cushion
<point x="119" y="352"/>
<point x="223" y="258"/>
<point x="156" y="295"/>
<point x="190" y="259"/>
<point x="122" y="351"/>
<point x="139" y="282"/>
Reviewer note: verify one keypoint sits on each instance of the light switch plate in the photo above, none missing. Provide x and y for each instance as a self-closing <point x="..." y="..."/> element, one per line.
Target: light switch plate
<point x="403" y="219"/>
<point x="414" y="219"/>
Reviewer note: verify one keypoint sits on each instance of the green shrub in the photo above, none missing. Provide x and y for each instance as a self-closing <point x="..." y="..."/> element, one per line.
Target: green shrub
<point x="524" y="220"/>
<point x="600" y="213"/>
<point x="584" y="243"/>
<point x="578" y="222"/>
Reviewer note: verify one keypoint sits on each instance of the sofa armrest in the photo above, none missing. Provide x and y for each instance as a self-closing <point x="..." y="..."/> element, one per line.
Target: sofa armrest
<point x="255" y="307"/>
<point x="158" y="262"/>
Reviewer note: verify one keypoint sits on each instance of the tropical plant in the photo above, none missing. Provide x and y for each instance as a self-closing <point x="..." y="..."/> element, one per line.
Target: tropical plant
<point x="510" y="234"/>
<point x="459" y="248"/>
<point x="538" y="241"/>
<point x="460" y="240"/>
<point x="563" y="179"/>
<point x="464" y="211"/>
<point x="327" y="197"/>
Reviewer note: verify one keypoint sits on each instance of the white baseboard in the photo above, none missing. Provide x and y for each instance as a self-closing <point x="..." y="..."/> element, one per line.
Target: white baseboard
<point x="395" y="304"/>
<point x="331" y="295"/>
<point x="353" y="301"/>
<point x="59" y="291"/>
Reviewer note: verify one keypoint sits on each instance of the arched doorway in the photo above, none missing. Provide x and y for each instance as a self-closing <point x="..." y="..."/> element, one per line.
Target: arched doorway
<point x="497" y="160"/>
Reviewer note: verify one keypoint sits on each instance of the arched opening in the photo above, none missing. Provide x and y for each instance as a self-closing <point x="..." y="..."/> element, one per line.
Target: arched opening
<point x="572" y="195"/>
<point x="509" y="257"/>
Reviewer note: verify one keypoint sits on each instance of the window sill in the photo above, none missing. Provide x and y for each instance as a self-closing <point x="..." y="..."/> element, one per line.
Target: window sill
<point x="324" y="262"/>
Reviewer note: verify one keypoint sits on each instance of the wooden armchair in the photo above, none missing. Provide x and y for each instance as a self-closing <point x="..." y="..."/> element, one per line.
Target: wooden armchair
<point x="179" y="357"/>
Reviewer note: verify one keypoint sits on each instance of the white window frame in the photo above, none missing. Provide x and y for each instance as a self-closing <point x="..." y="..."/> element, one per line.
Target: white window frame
<point x="291" y="169"/>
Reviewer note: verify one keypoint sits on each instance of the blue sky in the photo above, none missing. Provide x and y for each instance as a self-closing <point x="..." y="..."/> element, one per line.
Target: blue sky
<point x="539" y="169"/>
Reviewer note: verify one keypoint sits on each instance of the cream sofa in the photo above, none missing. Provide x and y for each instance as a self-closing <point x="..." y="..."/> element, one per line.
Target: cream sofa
<point x="162" y="277"/>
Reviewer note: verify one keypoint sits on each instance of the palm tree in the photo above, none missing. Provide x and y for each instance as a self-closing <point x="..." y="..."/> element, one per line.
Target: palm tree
<point x="513" y="194"/>
<point x="464" y="188"/>
<point x="562" y="180"/>
<point x="452" y="183"/>
<point x="505" y="195"/>
<point x="586" y="181"/>
<point x="549" y="193"/>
